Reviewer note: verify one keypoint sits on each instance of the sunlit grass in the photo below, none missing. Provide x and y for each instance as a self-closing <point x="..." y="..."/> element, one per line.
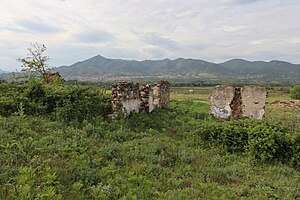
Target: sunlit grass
<point x="200" y="94"/>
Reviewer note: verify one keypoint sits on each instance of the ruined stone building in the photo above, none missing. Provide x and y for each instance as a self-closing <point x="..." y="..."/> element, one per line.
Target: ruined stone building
<point x="130" y="97"/>
<point x="125" y="98"/>
<point x="247" y="101"/>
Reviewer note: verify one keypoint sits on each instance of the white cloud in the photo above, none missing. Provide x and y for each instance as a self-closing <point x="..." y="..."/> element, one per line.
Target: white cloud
<point x="256" y="42"/>
<point x="140" y="29"/>
<point x="233" y="28"/>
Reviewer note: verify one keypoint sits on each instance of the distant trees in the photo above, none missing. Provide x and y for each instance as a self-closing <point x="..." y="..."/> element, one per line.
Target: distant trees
<point x="295" y="92"/>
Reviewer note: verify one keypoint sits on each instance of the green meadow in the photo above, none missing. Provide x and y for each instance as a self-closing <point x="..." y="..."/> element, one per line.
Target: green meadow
<point x="56" y="143"/>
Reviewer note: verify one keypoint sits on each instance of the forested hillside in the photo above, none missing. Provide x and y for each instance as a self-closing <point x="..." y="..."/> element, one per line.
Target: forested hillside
<point x="102" y="68"/>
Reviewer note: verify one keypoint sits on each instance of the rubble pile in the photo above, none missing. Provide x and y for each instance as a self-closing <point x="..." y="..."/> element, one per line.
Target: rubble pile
<point x="287" y="104"/>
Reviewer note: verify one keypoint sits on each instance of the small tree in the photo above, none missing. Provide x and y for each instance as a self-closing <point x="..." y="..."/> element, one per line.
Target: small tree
<point x="36" y="62"/>
<point x="295" y="92"/>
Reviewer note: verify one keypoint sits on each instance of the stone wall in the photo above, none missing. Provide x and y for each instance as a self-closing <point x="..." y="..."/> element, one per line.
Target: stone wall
<point x="130" y="97"/>
<point x="221" y="98"/>
<point x="161" y="94"/>
<point x="146" y="97"/>
<point x="248" y="101"/>
<point x="254" y="101"/>
<point x="125" y="98"/>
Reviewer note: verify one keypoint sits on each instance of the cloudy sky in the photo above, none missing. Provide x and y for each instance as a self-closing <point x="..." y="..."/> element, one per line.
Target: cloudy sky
<point x="212" y="30"/>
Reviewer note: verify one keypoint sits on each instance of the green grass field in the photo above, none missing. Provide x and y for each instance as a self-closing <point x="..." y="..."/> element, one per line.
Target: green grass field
<point x="178" y="153"/>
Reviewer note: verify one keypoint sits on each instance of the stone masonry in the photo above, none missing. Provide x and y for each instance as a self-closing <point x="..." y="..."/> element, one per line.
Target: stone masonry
<point x="146" y="96"/>
<point x="130" y="97"/>
<point x="254" y="101"/>
<point x="125" y="98"/>
<point x="161" y="94"/>
<point x="220" y="100"/>
<point x="247" y="101"/>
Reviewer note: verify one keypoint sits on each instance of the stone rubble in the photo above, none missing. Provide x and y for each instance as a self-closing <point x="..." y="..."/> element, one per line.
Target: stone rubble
<point x="293" y="104"/>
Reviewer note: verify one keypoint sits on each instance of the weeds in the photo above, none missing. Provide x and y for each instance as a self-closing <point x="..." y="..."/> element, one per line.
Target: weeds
<point x="46" y="152"/>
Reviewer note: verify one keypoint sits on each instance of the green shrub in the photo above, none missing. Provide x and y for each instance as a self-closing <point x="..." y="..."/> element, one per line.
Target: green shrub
<point x="64" y="103"/>
<point x="79" y="103"/>
<point x="295" y="159"/>
<point x="232" y="135"/>
<point x="295" y="92"/>
<point x="261" y="140"/>
<point x="269" y="143"/>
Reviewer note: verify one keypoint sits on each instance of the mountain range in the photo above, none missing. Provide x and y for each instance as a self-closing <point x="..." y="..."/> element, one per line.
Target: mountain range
<point x="101" y="68"/>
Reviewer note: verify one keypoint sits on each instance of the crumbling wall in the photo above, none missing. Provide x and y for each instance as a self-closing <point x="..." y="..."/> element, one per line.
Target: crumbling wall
<point x="248" y="101"/>
<point x="161" y="94"/>
<point x="221" y="98"/>
<point x="236" y="105"/>
<point x="125" y="98"/>
<point x="130" y="97"/>
<point x="146" y="97"/>
<point x="254" y="101"/>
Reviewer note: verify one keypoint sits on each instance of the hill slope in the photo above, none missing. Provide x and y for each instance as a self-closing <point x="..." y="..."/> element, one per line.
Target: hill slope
<point x="99" y="67"/>
<point x="260" y="69"/>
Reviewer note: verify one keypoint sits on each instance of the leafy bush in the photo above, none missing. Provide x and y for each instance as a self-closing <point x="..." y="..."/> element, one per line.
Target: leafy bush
<point x="78" y="103"/>
<point x="267" y="143"/>
<point x="263" y="141"/>
<point x="232" y="135"/>
<point x="295" y="92"/>
<point x="66" y="103"/>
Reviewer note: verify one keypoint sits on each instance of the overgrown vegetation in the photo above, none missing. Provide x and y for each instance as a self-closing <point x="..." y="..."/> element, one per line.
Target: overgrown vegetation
<point x="56" y="143"/>
<point x="261" y="140"/>
<point x="295" y="92"/>
<point x="72" y="103"/>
